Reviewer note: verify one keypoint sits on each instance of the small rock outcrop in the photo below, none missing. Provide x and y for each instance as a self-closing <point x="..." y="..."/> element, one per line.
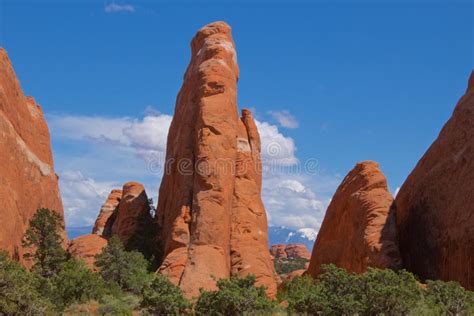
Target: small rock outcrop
<point x="358" y="230"/>
<point x="132" y="220"/>
<point x="125" y="214"/>
<point x="211" y="218"/>
<point x="281" y="251"/>
<point x="86" y="248"/>
<point x="278" y="251"/>
<point x="435" y="205"/>
<point x="105" y="219"/>
<point x="27" y="177"/>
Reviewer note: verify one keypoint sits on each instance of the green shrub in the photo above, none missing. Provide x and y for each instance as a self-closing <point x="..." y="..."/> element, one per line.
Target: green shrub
<point x="127" y="269"/>
<point x="304" y="296"/>
<point x="388" y="292"/>
<point x="75" y="283"/>
<point x="118" y="305"/>
<point x="235" y="296"/>
<point x="449" y="298"/>
<point x="336" y="292"/>
<point x="43" y="238"/>
<point x="161" y="297"/>
<point x="287" y="265"/>
<point x="18" y="294"/>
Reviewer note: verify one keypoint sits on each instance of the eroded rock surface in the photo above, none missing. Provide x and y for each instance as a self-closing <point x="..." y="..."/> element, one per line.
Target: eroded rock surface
<point x="27" y="177"/>
<point x="435" y="205"/>
<point x="358" y="230"/>
<point x="281" y="251"/>
<point x="86" y="248"/>
<point x="209" y="211"/>
<point x="103" y="223"/>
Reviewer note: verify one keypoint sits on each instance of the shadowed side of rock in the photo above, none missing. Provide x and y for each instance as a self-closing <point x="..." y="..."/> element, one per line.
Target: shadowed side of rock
<point x="108" y="211"/>
<point x="435" y="205"/>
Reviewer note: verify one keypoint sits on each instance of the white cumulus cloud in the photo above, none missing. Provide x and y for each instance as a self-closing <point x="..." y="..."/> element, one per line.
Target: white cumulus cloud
<point x="284" y="118"/>
<point x="82" y="197"/>
<point x="119" y="149"/>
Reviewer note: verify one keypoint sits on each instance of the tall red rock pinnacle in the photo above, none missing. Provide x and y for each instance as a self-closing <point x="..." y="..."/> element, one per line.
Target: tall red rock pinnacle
<point x="204" y="211"/>
<point x="104" y="221"/>
<point x="435" y="205"/>
<point x="27" y="177"/>
<point x="358" y="230"/>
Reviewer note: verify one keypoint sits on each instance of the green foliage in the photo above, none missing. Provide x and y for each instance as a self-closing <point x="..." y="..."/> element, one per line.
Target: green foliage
<point x="127" y="269"/>
<point x="336" y="292"/>
<point x="118" y="305"/>
<point x="287" y="265"/>
<point x="18" y="294"/>
<point x="449" y="298"/>
<point x="45" y="242"/>
<point x="375" y="292"/>
<point x="388" y="292"/>
<point x="75" y="283"/>
<point x="236" y="296"/>
<point x="161" y="297"/>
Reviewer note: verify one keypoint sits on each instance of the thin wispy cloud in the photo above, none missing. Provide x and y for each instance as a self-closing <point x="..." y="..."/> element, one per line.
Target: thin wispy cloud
<point x="284" y="118"/>
<point x="115" y="7"/>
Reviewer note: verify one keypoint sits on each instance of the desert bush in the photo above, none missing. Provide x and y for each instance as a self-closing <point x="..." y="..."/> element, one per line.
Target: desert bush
<point x="127" y="269"/>
<point x="161" y="297"/>
<point x="449" y="298"/>
<point x="336" y="292"/>
<point x="235" y="296"/>
<point x="75" y="283"/>
<point x="18" y="293"/>
<point x="118" y="305"/>
<point x="386" y="292"/>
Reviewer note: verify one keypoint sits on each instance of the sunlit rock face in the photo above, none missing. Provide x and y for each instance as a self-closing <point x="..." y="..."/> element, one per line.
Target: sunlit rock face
<point x="27" y="177"/>
<point x="358" y="230"/>
<point x="211" y="218"/>
<point x="435" y="205"/>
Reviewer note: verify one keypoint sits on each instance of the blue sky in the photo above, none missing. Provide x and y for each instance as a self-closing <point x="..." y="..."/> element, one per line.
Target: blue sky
<point x="339" y="82"/>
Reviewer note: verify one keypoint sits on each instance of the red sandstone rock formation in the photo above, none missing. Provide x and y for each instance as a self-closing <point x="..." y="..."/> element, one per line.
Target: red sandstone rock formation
<point x="435" y="205"/>
<point x="132" y="206"/>
<point x="297" y="251"/>
<point x="249" y="232"/>
<point x="86" y="248"/>
<point x="281" y="251"/>
<point x="358" y="230"/>
<point x="209" y="211"/>
<point x="104" y="221"/>
<point x="278" y="251"/>
<point x="27" y="178"/>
